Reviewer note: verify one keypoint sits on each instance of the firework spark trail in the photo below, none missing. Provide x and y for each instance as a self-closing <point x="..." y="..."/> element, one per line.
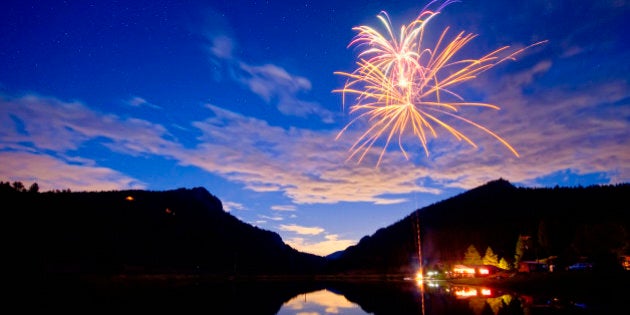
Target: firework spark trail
<point x="400" y="87"/>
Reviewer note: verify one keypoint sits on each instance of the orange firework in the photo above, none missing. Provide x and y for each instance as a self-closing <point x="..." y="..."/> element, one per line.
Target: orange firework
<point x="402" y="87"/>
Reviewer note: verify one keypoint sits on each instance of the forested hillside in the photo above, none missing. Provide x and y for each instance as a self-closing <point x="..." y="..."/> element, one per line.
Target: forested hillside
<point x="186" y="230"/>
<point x="515" y="224"/>
<point x="176" y="231"/>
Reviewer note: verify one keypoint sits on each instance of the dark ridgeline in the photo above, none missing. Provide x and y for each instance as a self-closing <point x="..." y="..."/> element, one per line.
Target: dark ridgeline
<point x="134" y="231"/>
<point x="570" y="223"/>
<point x="187" y="231"/>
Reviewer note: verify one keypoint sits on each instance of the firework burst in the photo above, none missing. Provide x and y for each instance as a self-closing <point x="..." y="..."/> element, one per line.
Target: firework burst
<point x="403" y="87"/>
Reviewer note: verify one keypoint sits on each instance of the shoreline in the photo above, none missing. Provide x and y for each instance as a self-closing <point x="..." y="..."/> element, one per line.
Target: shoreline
<point x="514" y="280"/>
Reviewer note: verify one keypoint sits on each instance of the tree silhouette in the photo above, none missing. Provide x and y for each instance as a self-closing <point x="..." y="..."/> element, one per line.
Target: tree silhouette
<point x="18" y="186"/>
<point x="522" y="247"/>
<point x="472" y="256"/>
<point x="490" y="258"/>
<point x="504" y="264"/>
<point x="34" y="188"/>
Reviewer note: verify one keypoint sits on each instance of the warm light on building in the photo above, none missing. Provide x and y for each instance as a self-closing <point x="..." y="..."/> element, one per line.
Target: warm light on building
<point x="129" y="198"/>
<point x="464" y="270"/>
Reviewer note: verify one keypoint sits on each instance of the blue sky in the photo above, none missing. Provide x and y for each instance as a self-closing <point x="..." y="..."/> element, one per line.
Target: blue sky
<point x="237" y="97"/>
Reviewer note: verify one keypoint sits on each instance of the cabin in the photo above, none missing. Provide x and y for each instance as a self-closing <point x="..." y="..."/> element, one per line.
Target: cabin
<point x="463" y="271"/>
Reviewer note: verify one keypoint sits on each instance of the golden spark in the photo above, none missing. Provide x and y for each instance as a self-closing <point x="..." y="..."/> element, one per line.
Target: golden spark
<point x="404" y="87"/>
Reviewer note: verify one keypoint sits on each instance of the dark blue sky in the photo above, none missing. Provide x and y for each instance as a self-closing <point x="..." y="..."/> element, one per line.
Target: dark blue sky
<point x="236" y="96"/>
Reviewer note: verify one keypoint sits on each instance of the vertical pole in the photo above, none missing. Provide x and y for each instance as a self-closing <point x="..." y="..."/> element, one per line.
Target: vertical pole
<point x="420" y="264"/>
<point x="419" y="241"/>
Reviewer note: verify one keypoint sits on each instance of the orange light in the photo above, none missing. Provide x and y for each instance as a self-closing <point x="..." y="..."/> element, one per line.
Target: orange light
<point x="129" y="198"/>
<point x="419" y="278"/>
<point x="465" y="270"/>
<point x="465" y="292"/>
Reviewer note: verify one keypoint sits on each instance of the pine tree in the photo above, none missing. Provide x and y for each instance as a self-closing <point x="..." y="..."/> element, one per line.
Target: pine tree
<point x="34" y="188"/>
<point x="472" y="256"/>
<point x="490" y="258"/>
<point x="522" y="246"/>
<point x="504" y="264"/>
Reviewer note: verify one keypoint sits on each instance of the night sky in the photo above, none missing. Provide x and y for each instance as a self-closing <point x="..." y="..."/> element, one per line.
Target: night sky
<point x="237" y="97"/>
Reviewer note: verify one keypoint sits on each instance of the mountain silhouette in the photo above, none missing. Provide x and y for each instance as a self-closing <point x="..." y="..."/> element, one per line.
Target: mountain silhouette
<point x="567" y="224"/>
<point x="135" y="231"/>
<point x="187" y="231"/>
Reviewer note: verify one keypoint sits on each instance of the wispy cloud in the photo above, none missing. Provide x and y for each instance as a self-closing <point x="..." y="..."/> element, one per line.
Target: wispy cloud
<point x="560" y="128"/>
<point x="272" y="83"/>
<point x="302" y="230"/>
<point x="272" y="218"/>
<point x="138" y="101"/>
<point x="47" y="123"/>
<point x="283" y="208"/>
<point x="44" y="136"/>
<point x="231" y="206"/>
<point x="221" y="46"/>
<point x="307" y="166"/>
<point x="52" y="173"/>
<point x="259" y="222"/>
<point x="554" y="130"/>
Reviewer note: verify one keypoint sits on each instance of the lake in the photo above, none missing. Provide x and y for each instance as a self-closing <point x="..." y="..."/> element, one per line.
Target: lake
<point x="187" y="295"/>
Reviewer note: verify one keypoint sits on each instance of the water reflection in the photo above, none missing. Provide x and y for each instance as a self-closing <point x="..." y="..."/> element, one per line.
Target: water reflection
<point x="176" y="295"/>
<point x="320" y="302"/>
<point x="432" y="298"/>
<point x="188" y="296"/>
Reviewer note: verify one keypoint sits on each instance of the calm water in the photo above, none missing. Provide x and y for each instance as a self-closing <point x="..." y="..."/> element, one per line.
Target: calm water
<point x="433" y="299"/>
<point x="188" y="296"/>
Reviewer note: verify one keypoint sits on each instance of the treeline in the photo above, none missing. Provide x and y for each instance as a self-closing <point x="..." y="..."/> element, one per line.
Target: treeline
<point x="511" y="224"/>
<point x="19" y="187"/>
<point x="138" y="231"/>
<point x="187" y="230"/>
